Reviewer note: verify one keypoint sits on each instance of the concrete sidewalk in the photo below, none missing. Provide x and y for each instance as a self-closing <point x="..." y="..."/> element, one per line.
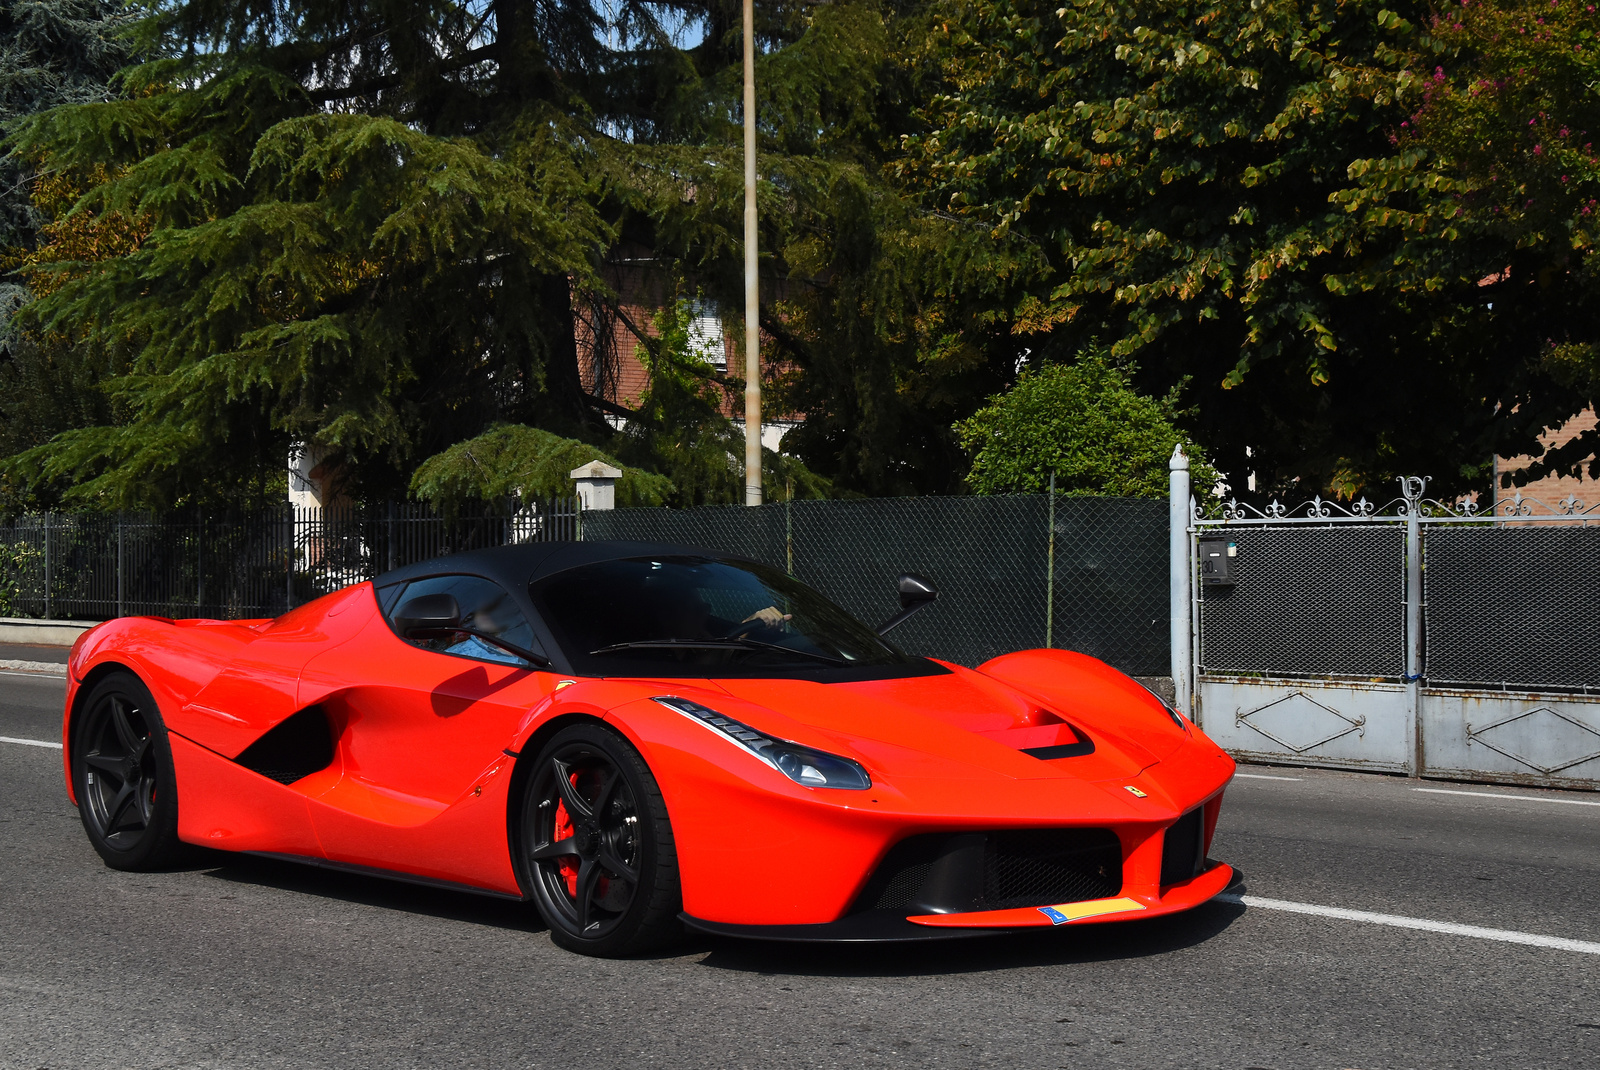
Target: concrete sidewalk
<point x="25" y="631"/>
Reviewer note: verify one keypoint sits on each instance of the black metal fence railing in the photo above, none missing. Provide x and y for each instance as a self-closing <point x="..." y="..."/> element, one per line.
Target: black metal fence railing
<point x="252" y="564"/>
<point x="1014" y="571"/>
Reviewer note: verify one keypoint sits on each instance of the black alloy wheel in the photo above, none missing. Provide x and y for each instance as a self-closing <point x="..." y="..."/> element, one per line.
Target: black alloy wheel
<point x="123" y="776"/>
<point x="597" y="847"/>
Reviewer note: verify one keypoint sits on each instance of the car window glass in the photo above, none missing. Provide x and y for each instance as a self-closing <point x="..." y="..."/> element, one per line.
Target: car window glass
<point x="485" y="607"/>
<point x="649" y="614"/>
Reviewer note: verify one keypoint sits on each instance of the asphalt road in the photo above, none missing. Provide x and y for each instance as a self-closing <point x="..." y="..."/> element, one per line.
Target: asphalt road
<point x="235" y="962"/>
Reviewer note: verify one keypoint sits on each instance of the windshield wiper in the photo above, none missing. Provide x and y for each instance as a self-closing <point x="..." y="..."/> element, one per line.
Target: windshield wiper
<point x="714" y="643"/>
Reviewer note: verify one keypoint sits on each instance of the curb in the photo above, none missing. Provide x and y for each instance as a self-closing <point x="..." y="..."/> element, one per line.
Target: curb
<point x="43" y="668"/>
<point x="26" y="632"/>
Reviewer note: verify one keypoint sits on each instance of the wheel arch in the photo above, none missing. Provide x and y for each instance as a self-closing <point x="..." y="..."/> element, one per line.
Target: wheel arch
<point x="523" y="768"/>
<point x="80" y="695"/>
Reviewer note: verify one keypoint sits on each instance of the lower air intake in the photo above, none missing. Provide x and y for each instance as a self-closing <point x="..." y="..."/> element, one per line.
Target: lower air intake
<point x="1183" y="850"/>
<point x="997" y="870"/>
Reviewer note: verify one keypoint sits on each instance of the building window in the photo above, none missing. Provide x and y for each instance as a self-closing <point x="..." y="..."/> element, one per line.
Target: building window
<point x="705" y="335"/>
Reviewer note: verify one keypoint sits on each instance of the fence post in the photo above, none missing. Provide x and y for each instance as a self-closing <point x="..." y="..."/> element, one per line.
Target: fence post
<point x="288" y="561"/>
<point x="120" y="524"/>
<point x="200" y="567"/>
<point x="390" y="537"/>
<point x="788" y="531"/>
<point x="1411" y="488"/>
<point x="1180" y="573"/>
<point x="1050" y="569"/>
<point x="47" y="564"/>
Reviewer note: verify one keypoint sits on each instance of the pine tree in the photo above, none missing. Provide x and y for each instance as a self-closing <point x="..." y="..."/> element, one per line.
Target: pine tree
<point x="52" y="52"/>
<point x="367" y="225"/>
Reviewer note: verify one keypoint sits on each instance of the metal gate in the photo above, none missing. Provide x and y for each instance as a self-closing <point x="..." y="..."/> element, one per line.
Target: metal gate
<point x="1423" y="637"/>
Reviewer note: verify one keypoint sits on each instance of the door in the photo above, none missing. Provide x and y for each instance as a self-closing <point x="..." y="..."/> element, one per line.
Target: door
<point x="419" y="781"/>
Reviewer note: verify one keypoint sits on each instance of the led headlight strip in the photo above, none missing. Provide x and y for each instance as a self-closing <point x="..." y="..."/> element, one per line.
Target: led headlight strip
<point x="803" y="765"/>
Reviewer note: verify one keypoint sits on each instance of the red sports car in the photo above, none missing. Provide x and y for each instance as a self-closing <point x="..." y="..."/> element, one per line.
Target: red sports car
<point x="642" y="737"/>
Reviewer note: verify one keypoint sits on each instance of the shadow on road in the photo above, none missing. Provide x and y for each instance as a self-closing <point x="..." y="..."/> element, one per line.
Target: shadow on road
<point x="1087" y="943"/>
<point x="370" y="891"/>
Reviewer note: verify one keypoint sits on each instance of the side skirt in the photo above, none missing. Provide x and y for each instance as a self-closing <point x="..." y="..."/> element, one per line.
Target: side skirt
<point x="387" y="874"/>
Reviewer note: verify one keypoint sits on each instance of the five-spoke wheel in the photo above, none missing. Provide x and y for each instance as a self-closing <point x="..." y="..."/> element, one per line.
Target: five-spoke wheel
<point x="122" y="771"/>
<point x="596" y="845"/>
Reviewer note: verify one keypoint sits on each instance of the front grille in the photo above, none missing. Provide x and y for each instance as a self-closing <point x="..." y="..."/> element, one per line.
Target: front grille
<point x="1039" y="867"/>
<point x="1183" y="849"/>
<point x="998" y="870"/>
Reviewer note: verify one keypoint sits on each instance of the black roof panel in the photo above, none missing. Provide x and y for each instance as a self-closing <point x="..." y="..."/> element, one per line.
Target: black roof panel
<point x="515" y="566"/>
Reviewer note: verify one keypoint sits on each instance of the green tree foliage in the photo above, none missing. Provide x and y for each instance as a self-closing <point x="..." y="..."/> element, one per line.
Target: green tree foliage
<point x="1226" y="191"/>
<point x="370" y="226"/>
<point x="678" y="449"/>
<point x="1509" y="129"/>
<point x="52" y="52"/>
<point x="1085" y="424"/>
<point x="524" y="462"/>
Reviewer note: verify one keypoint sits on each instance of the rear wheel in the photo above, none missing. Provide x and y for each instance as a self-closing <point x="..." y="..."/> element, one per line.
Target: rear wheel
<point x="597" y="847"/>
<point x="122" y="772"/>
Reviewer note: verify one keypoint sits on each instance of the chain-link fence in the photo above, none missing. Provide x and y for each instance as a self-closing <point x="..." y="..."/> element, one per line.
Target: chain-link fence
<point x="254" y="564"/>
<point x="1013" y="571"/>
<point x="1512" y="606"/>
<point x="1308" y="601"/>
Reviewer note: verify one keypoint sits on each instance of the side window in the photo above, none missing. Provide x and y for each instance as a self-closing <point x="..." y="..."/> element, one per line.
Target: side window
<point x="485" y="607"/>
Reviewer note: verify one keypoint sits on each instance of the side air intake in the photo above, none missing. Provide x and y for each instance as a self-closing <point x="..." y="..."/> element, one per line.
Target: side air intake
<point x="297" y="747"/>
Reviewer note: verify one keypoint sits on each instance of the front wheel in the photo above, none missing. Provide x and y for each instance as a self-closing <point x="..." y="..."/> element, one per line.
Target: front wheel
<point x="596" y="845"/>
<point x="122" y="773"/>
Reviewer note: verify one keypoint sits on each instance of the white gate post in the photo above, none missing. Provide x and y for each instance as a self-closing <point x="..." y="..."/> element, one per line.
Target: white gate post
<point x="1412" y="488"/>
<point x="1181" y="573"/>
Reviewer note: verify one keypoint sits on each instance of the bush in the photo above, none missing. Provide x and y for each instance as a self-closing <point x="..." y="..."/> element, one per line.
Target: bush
<point x="1085" y="423"/>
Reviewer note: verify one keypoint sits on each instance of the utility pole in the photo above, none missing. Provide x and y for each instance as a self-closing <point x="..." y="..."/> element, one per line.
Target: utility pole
<point x="752" y="300"/>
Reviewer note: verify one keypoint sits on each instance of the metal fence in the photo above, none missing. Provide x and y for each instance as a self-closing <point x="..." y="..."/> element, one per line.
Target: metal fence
<point x="250" y="564"/>
<point x="1428" y="637"/>
<point x="1013" y="571"/>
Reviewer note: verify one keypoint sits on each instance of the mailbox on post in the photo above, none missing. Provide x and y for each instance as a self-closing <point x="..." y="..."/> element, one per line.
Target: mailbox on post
<point x="1216" y="562"/>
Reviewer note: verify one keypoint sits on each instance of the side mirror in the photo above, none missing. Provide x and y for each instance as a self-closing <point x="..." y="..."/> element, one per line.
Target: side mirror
<point x="428" y="616"/>
<point x="916" y="592"/>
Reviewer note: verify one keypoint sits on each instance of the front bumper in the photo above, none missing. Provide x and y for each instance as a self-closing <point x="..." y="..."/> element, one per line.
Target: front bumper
<point x="885" y="926"/>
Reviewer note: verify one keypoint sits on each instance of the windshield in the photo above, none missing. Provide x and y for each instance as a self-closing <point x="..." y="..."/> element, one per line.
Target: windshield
<point x="708" y="617"/>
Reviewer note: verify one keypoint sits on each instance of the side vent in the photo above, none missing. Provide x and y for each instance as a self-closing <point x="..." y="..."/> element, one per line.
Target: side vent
<point x="297" y="747"/>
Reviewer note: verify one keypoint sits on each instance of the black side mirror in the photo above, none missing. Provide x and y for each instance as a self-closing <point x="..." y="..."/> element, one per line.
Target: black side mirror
<point x="428" y="616"/>
<point x="916" y="592"/>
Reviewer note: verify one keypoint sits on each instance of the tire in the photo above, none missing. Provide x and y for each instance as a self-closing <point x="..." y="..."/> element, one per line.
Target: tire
<point x="122" y="774"/>
<point x="596" y="848"/>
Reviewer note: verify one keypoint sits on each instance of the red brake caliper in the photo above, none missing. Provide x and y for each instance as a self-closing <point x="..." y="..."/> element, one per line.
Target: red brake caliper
<point x="567" y="864"/>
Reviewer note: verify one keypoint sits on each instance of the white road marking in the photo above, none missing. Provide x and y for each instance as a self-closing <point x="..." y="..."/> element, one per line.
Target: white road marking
<point x="1398" y="921"/>
<point x="30" y="742"/>
<point x="1263" y="776"/>
<point x="1519" y="798"/>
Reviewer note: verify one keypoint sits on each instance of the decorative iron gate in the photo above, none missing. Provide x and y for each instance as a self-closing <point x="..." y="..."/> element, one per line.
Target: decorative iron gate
<point x="1424" y="637"/>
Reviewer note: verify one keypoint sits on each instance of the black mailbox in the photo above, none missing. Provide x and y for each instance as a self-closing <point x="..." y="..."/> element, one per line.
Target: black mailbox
<point x="1216" y="562"/>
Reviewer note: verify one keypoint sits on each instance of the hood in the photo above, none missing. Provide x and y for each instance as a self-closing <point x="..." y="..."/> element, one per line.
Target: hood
<point x="961" y="726"/>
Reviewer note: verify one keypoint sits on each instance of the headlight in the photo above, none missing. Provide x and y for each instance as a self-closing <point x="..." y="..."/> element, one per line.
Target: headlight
<point x="803" y="765"/>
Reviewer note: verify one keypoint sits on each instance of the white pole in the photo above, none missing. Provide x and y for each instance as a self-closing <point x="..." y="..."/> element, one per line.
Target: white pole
<point x="1181" y="573"/>
<point x="1412" y="489"/>
<point x="752" y="303"/>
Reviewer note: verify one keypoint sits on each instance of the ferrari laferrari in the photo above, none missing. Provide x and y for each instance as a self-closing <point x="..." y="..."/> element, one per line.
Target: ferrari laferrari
<point x="642" y="739"/>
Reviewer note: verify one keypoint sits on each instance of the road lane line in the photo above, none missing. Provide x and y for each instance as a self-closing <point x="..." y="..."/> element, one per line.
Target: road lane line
<point x="1497" y="795"/>
<point x="1398" y="921"/>
<point x="1263" y="776"/>
<point x="30" y="742"/>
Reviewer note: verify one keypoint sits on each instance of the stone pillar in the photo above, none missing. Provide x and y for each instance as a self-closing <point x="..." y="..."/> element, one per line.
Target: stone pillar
<point x="597" y="485"/>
